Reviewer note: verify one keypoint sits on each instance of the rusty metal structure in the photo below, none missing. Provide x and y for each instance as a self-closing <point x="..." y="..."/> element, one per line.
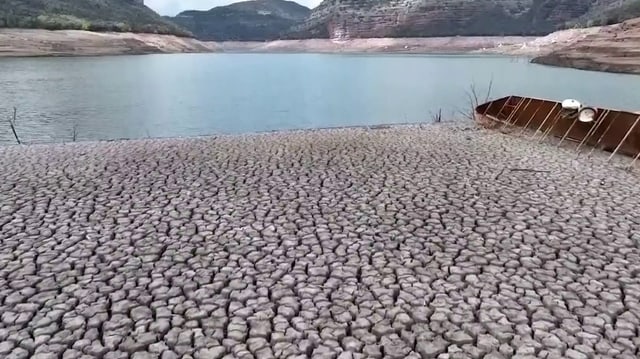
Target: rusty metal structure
<point x="605" y="129"/>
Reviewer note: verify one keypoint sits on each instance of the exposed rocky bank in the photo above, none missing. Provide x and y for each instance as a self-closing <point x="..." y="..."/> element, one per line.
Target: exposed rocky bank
<point x="20" y="42"/>
<point x="611" y="48"/>
<point x="458" y="44"/>
<point x="419" y="18"/>
<point x="608" y="48"/>
<point x="408" y="242"/>
<point x="28" y="42"/>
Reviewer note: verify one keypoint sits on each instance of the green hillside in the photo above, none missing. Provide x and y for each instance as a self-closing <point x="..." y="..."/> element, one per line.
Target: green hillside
<point x="256" y="20"/>
<point x="93" y="15"/>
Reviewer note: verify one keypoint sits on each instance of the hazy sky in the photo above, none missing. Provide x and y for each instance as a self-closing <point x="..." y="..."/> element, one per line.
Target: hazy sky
<point x="172" y="7"/>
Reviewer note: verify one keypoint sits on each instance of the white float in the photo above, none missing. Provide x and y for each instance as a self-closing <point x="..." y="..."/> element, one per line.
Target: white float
<point x="571" y="104"/>
<point x="587" y="114"/>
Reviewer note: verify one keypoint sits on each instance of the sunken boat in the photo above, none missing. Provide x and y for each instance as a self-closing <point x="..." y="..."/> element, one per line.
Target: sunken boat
<point x="606" y="129"/>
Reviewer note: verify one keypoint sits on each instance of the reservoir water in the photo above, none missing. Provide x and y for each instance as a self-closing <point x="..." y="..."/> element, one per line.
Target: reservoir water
<point x="207" y="94"/>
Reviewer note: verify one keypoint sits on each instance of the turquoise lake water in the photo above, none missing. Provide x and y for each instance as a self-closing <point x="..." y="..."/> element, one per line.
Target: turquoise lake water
<point x="206" y="94"/>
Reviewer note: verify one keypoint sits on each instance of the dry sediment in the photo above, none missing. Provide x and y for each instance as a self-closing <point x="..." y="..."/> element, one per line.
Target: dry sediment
<point x="25" y="42"/>
<point x="458" y="44"/>
<point x="30" y="42"/>
<point x="404" y="242"/>
<point x="608" y="48"/>
<point x="612" y="48"/>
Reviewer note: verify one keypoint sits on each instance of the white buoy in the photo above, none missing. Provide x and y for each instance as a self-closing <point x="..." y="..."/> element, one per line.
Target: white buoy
<point x="571" y="104"/>
<point x="587" y="114"/>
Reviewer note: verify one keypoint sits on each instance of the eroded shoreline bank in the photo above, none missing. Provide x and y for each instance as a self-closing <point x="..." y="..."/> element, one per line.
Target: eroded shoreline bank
<point x="432" y="45"/>
<point x="608" y="48"/>
<point x="42" y="43"/>
<point x="45" y="43"/>
<point x="612" y="48"/>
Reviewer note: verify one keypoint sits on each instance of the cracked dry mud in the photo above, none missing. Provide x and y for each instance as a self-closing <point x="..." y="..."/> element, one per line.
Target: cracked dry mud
<point x="405" y="242"/>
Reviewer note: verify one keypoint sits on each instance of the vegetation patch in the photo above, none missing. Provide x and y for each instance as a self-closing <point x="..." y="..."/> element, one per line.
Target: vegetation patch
<point x="91" y="15"/>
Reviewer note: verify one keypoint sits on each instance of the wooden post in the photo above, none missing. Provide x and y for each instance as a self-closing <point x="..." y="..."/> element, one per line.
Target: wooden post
<point x="503" y="106"/>
<point x="634" y="160"/>
<point x="575" y="120"/>
<point x="593" y="128"/>
<point x="513" y="113"/>
<point x="606" y="130"/>
<point x="624" y="138"/>
<point x="555" y="122"/>
<point x="530" y="119"/>
<point x="545" y="120"/>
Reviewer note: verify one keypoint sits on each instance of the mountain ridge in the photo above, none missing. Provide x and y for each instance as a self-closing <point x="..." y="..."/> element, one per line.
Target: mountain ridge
<point x="343" y="19"/>
<point x="427" y="18"/>
<point x="92" y="15"/>
<point x="254" y="20"/>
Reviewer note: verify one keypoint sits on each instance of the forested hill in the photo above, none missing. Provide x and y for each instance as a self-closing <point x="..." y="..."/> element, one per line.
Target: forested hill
<point x="92" y="15"/>
<point x="420" y="18"/>
<point x="255" y="20"/>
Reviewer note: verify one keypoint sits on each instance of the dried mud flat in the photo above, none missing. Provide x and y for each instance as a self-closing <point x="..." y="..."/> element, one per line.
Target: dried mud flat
<point x="402" y="242"/>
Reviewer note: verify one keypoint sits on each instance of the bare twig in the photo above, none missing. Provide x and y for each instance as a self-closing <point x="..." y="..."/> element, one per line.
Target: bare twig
<point x="486" y="99"/>
<point x="12" y="124"/>
<point x="475" y="95"/>
<point x="437" y="117"/>
<point x="465" y="114"/>
<point x="474" y="102"/>
<point x="74" y="133"/>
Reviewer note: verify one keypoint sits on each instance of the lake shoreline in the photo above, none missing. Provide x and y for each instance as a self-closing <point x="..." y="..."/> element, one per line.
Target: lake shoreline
<point x="72" y="43"/>
<point x="191" y="94"/>
<point x="433" y="45"/>
<point x="76" y="43"/>
<point x="585" y="48"/>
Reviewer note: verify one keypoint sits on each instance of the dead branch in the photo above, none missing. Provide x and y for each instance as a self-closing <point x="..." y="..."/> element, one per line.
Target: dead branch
<point x="473" y="102"/>
<point x="74" y="132"/>
<point x="486" y="99"/>
<point x="12" y="124"/>
<point x="437" y="117"/>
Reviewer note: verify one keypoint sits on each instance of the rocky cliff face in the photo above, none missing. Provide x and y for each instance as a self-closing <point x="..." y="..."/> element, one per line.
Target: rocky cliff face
<point x="417" y="18"/>
<point x="246" y="21"/>
<point x="606" y="13"/>
<point x="612" y="48"/>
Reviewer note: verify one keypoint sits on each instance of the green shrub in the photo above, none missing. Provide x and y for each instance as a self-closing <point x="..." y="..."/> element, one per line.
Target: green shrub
<point x="60" y="22"/>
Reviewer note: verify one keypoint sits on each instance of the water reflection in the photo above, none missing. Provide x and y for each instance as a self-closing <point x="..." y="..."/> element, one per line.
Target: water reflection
<point x="199" y="94"/>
